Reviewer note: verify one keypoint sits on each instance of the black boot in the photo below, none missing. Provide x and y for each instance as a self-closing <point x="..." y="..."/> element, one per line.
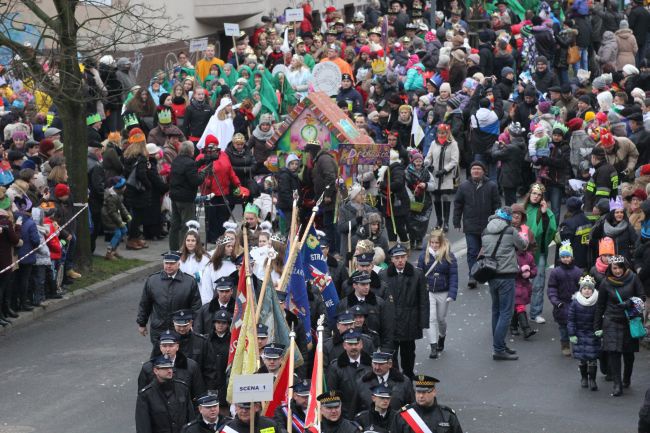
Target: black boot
<point x="615" y="372"/>
<point x="446" y="205"/>
<point x="434" y="351"/>
<point x="438" y="207"/>
<point x="592" y="370"/>
<point x="514" y="325"/>
<point x="583" y="376"/>
<point x="4" y="323"/>
<point x="11" y="313"/>
<point x="441" y="343"/>
<point x="617" y="390"/>
<point x="525" y="327"/>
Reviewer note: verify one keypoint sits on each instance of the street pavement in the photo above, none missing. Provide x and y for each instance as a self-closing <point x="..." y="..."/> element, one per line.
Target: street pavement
<point x="76" y="369"/>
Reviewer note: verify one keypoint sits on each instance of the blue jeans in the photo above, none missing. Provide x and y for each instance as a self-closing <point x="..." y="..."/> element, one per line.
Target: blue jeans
<point x="537" y="298"/>
<point x="554" y="194"/>
<point x="473" y="247"/>
<point x="584" y="60"/>
<point x="118" y="234"/>
<point x="563" y="75"/>
<point x="564" y="333"/>
<point x="492" y="167"/>
<point x="503" y="301"/>
<point x="69" y="253"/>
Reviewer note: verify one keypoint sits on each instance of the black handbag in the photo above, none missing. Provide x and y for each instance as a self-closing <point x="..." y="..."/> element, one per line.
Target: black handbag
<point x="485" y="267"/>
<point x="133" y="180"/>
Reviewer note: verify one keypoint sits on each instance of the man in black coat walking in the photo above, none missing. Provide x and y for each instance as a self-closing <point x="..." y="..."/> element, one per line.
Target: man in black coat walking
<point x="164" y="405"/>
<point x="380" y="416"/>
<point x="476" y="199"/>
<point x="383" y="373"/>
<point x="191" y="343"/>
<point x="215" y="357"/>
<point x="184" y="181"/>
<point x="96" y="188"/>
<point x="165" y="292"/>
<point x="408" y="292"/>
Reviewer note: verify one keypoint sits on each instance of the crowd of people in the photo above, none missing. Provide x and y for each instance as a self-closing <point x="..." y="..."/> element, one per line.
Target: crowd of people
<point x="533" y="143"/>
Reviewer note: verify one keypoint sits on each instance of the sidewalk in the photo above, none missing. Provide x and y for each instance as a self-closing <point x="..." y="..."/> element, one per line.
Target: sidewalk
<point x="152" y="255"/>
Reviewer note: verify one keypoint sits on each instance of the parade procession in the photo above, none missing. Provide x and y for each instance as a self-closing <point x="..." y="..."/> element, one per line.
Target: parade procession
<point x="386" y="216"/>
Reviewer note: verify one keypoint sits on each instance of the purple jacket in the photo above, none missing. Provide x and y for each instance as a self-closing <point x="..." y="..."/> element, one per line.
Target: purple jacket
<point x="562" y="284"/>
<point x="524" y="287"/>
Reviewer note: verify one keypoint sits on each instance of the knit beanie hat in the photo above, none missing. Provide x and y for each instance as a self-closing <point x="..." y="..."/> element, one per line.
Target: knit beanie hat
<point x="544" y="107"/>
<point x="573" y="204"/>
<point x="565" y="249"/>
<point x="61" y="190"/>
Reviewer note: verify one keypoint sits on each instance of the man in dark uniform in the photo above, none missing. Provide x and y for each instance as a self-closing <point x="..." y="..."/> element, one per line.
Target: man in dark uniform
<point x="344" y="371"/>
<point x="223" y="300"/>
<point x="298" y="408"/>
<point x="406" y="285"/>
<point x="380" y="313"/>
<point x="208" y="420"/>
<point x="272" y="359"/>
<point x="164" y="405"/>
<point x="185" y="369"/>
<point x="333" y="346"/>
<point x="426" y="414"/>
<point x="380" y="416"/>
<point x="191" y="343"/>
<point x="384" y="373"/>
<point x="165" y="292"/>
<point x="364" y="263"/>
<point x="360" y="312"/>
<point x="338" y="271"/>
<point x="241" y="422"/>
<point x="332" y="420"/>
<point x="215" y="357"/>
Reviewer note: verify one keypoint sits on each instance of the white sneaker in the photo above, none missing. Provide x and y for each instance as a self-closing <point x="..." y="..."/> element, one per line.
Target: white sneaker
<point x="540" y="320"/>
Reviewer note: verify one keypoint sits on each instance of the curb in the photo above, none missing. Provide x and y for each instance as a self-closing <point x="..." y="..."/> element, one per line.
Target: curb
<point x="80" y="295"/>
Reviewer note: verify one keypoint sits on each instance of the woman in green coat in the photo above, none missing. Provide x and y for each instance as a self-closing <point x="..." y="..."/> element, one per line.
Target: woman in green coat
<point x="542" y="224"/>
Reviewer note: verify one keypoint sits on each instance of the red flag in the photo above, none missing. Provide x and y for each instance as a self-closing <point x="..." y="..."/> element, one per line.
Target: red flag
<point x="312" y="423"/>
<point x="280" y="388"/>
<point x="238" y="315"/>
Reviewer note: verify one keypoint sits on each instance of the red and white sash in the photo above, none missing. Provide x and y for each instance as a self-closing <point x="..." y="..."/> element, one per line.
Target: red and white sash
<point x="298" y="424"/>
<point x="414" y="421"/>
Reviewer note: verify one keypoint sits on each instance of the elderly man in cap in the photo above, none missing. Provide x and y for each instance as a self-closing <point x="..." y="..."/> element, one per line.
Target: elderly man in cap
<point x="163" y="395"/>
<point x="426" y="414"/>
<point x="242" y="420"/>
<point x="298" y="407"/>
<point x="333" y="346"/>
<point x="331" y="410"/>
<point x="380" y="313"/>
<point x="383" y="373"/>
<point x="501" y="240"/>
<point x="364" y="263"/>
<point x="380" y="417"/>
<point x="185" y="369"/>
<point x="165" y="292"/>
<point x="345" y="370"/>
<point x="209" y="419"/>
<point x="406" y="287"/>
<point x="222" y="300"/>
<point x="215" y="356"/>
<point x="192" y="344"/>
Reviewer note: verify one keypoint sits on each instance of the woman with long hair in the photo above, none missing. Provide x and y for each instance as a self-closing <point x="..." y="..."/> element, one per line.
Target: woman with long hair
<point x="440" y="268"/>
<point x="142" y="105"/>
<point x="194" y="257"/>
<point x="443" y="159"/>
<point x="616" y="304"/>
<point x="59" y="174"/>
<point x="221" y="264"/>
<point x="616" y="226"/>
<point x="299" y="76"/>
<point x="138" y="193"/>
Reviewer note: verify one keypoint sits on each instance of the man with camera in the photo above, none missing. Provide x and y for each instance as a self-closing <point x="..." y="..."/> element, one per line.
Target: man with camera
<point x="220" y="181"/>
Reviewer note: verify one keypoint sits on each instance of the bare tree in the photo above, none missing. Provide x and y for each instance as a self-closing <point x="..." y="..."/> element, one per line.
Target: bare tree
<point x="78" y="28"/>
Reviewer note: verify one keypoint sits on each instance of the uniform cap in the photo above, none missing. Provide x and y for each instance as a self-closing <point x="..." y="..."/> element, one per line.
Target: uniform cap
<point x="345" y="317"/>
<point x="208" y="400"/>
<point x="182" y="317"/>
<point x="162" y="362"/>
<point x="262" y="330"/>
<point x="397" y="250"/>
<point x="381" y="391"/>
<point x="221" y="316"/>
<point x="351" y="336"/>
<point x="223" y="284"/>
<point x="364" y="259"/>
<point x="168" y="337"/>
<point x="361" y="277"/>
<point x="302" y="388"/>
<point x="425" y="383"/>
<point x="359" y="310"/>
<point x="171" y="256"/>
<point x="273" y="351"/>
<point x="330" y="398"/>
<point x="381" y="357"/>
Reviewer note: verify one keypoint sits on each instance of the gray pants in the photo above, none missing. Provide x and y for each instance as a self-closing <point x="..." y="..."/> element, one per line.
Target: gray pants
<point x="181" y="213"/>
<point x="437" y="316"/>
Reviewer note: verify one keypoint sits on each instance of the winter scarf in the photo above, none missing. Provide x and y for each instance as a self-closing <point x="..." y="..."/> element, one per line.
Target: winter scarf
<point x="600" y="266"/>
<point x="586" y="302"/>
<point x="613" y="231"/>
<point x="622" y="280"/>
<point x="261" y="135"/>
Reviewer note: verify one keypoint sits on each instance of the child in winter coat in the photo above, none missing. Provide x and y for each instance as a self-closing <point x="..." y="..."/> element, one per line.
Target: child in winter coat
<point x="562" y="284"/>
<point x="580" y="325"/>
<point x="539" y="146"/>
<point x="114" y="215"/>
<point x="43" y="261"/>
<point x="523" y="286"/>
